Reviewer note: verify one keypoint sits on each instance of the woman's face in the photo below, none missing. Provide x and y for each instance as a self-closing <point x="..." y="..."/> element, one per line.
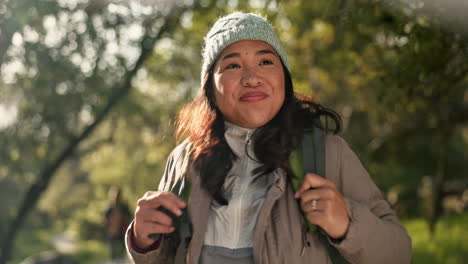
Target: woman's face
<point x="249" y="83"/>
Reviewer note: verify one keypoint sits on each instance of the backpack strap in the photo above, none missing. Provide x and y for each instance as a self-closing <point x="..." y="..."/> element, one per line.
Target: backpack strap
<point x="310" y="158"/>
<point x="181" y="187"/>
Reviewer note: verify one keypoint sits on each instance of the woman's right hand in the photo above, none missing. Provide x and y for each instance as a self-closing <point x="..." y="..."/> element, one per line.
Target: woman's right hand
<point x="148" y="220"/>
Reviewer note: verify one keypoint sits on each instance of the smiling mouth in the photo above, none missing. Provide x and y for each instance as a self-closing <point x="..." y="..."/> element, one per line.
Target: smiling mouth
<point x="253" y="97"/>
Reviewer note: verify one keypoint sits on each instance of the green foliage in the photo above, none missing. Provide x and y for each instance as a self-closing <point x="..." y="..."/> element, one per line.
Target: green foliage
<point x="34" y="241"/>
<point x="447" y="245"/>
<point x="92" y="251"/>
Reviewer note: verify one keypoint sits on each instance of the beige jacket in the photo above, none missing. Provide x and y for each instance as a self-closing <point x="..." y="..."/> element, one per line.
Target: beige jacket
<point x="374" y="234"/>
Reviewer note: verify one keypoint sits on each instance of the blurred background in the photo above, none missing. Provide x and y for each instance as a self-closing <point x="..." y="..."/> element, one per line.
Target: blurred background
<point x="89" y="90"/>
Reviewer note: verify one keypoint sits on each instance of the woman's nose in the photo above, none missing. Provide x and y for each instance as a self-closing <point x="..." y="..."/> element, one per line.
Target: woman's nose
<point x="251" y="78"/>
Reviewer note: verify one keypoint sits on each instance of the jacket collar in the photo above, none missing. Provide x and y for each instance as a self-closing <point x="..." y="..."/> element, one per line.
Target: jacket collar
<point x="239" y="139"/>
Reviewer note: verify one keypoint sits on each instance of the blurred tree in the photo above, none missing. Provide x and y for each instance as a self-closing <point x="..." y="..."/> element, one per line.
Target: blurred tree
<point x="72" y="70"/>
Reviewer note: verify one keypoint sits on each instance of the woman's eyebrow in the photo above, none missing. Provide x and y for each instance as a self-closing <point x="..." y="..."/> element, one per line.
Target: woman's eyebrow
<point x="237" y="54"/>
<point x="230" y="55"/>
<point x="265" y="51"/>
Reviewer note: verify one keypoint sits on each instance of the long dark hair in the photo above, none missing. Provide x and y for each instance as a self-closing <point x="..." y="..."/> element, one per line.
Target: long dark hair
<point x="203" y="124"/>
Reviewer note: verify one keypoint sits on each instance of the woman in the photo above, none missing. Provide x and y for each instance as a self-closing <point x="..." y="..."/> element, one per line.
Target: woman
<point x="239" y="135"/>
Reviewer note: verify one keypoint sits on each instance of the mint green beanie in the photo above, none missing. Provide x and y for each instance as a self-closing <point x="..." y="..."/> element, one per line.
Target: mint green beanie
<point x="234" y="27"/>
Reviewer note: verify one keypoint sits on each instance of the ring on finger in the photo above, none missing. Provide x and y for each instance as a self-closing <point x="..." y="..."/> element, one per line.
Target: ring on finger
<point x="314" y="205"/>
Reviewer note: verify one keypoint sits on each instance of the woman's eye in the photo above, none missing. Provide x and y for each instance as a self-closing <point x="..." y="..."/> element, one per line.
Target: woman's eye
<point x="266" y="62"/>
<point x="233" y="66"/>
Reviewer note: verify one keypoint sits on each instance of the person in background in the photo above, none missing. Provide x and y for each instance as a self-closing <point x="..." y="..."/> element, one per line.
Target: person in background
<point x="117" y="219"/>
<point x="239" y="133"/>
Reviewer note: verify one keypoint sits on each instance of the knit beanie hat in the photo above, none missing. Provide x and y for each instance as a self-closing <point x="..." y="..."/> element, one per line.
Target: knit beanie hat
<point x="234" y="27"/>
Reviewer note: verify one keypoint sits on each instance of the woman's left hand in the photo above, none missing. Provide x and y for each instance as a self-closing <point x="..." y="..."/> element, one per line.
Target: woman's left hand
<point x="324" y="205"/>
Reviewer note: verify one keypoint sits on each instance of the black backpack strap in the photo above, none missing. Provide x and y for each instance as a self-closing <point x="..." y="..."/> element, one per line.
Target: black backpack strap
<point x="181" y="186"/>
<point x="313" y="149"/>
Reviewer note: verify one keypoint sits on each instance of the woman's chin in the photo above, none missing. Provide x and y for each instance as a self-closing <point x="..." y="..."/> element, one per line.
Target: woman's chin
<point x="252" y="122"/>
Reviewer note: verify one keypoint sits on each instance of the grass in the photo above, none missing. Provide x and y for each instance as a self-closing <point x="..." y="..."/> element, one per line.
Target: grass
<point x="92" y="251"/>
<point x="34" y="242"/>
<point x="449" y="244"/>
<point x="30" y="242"/>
